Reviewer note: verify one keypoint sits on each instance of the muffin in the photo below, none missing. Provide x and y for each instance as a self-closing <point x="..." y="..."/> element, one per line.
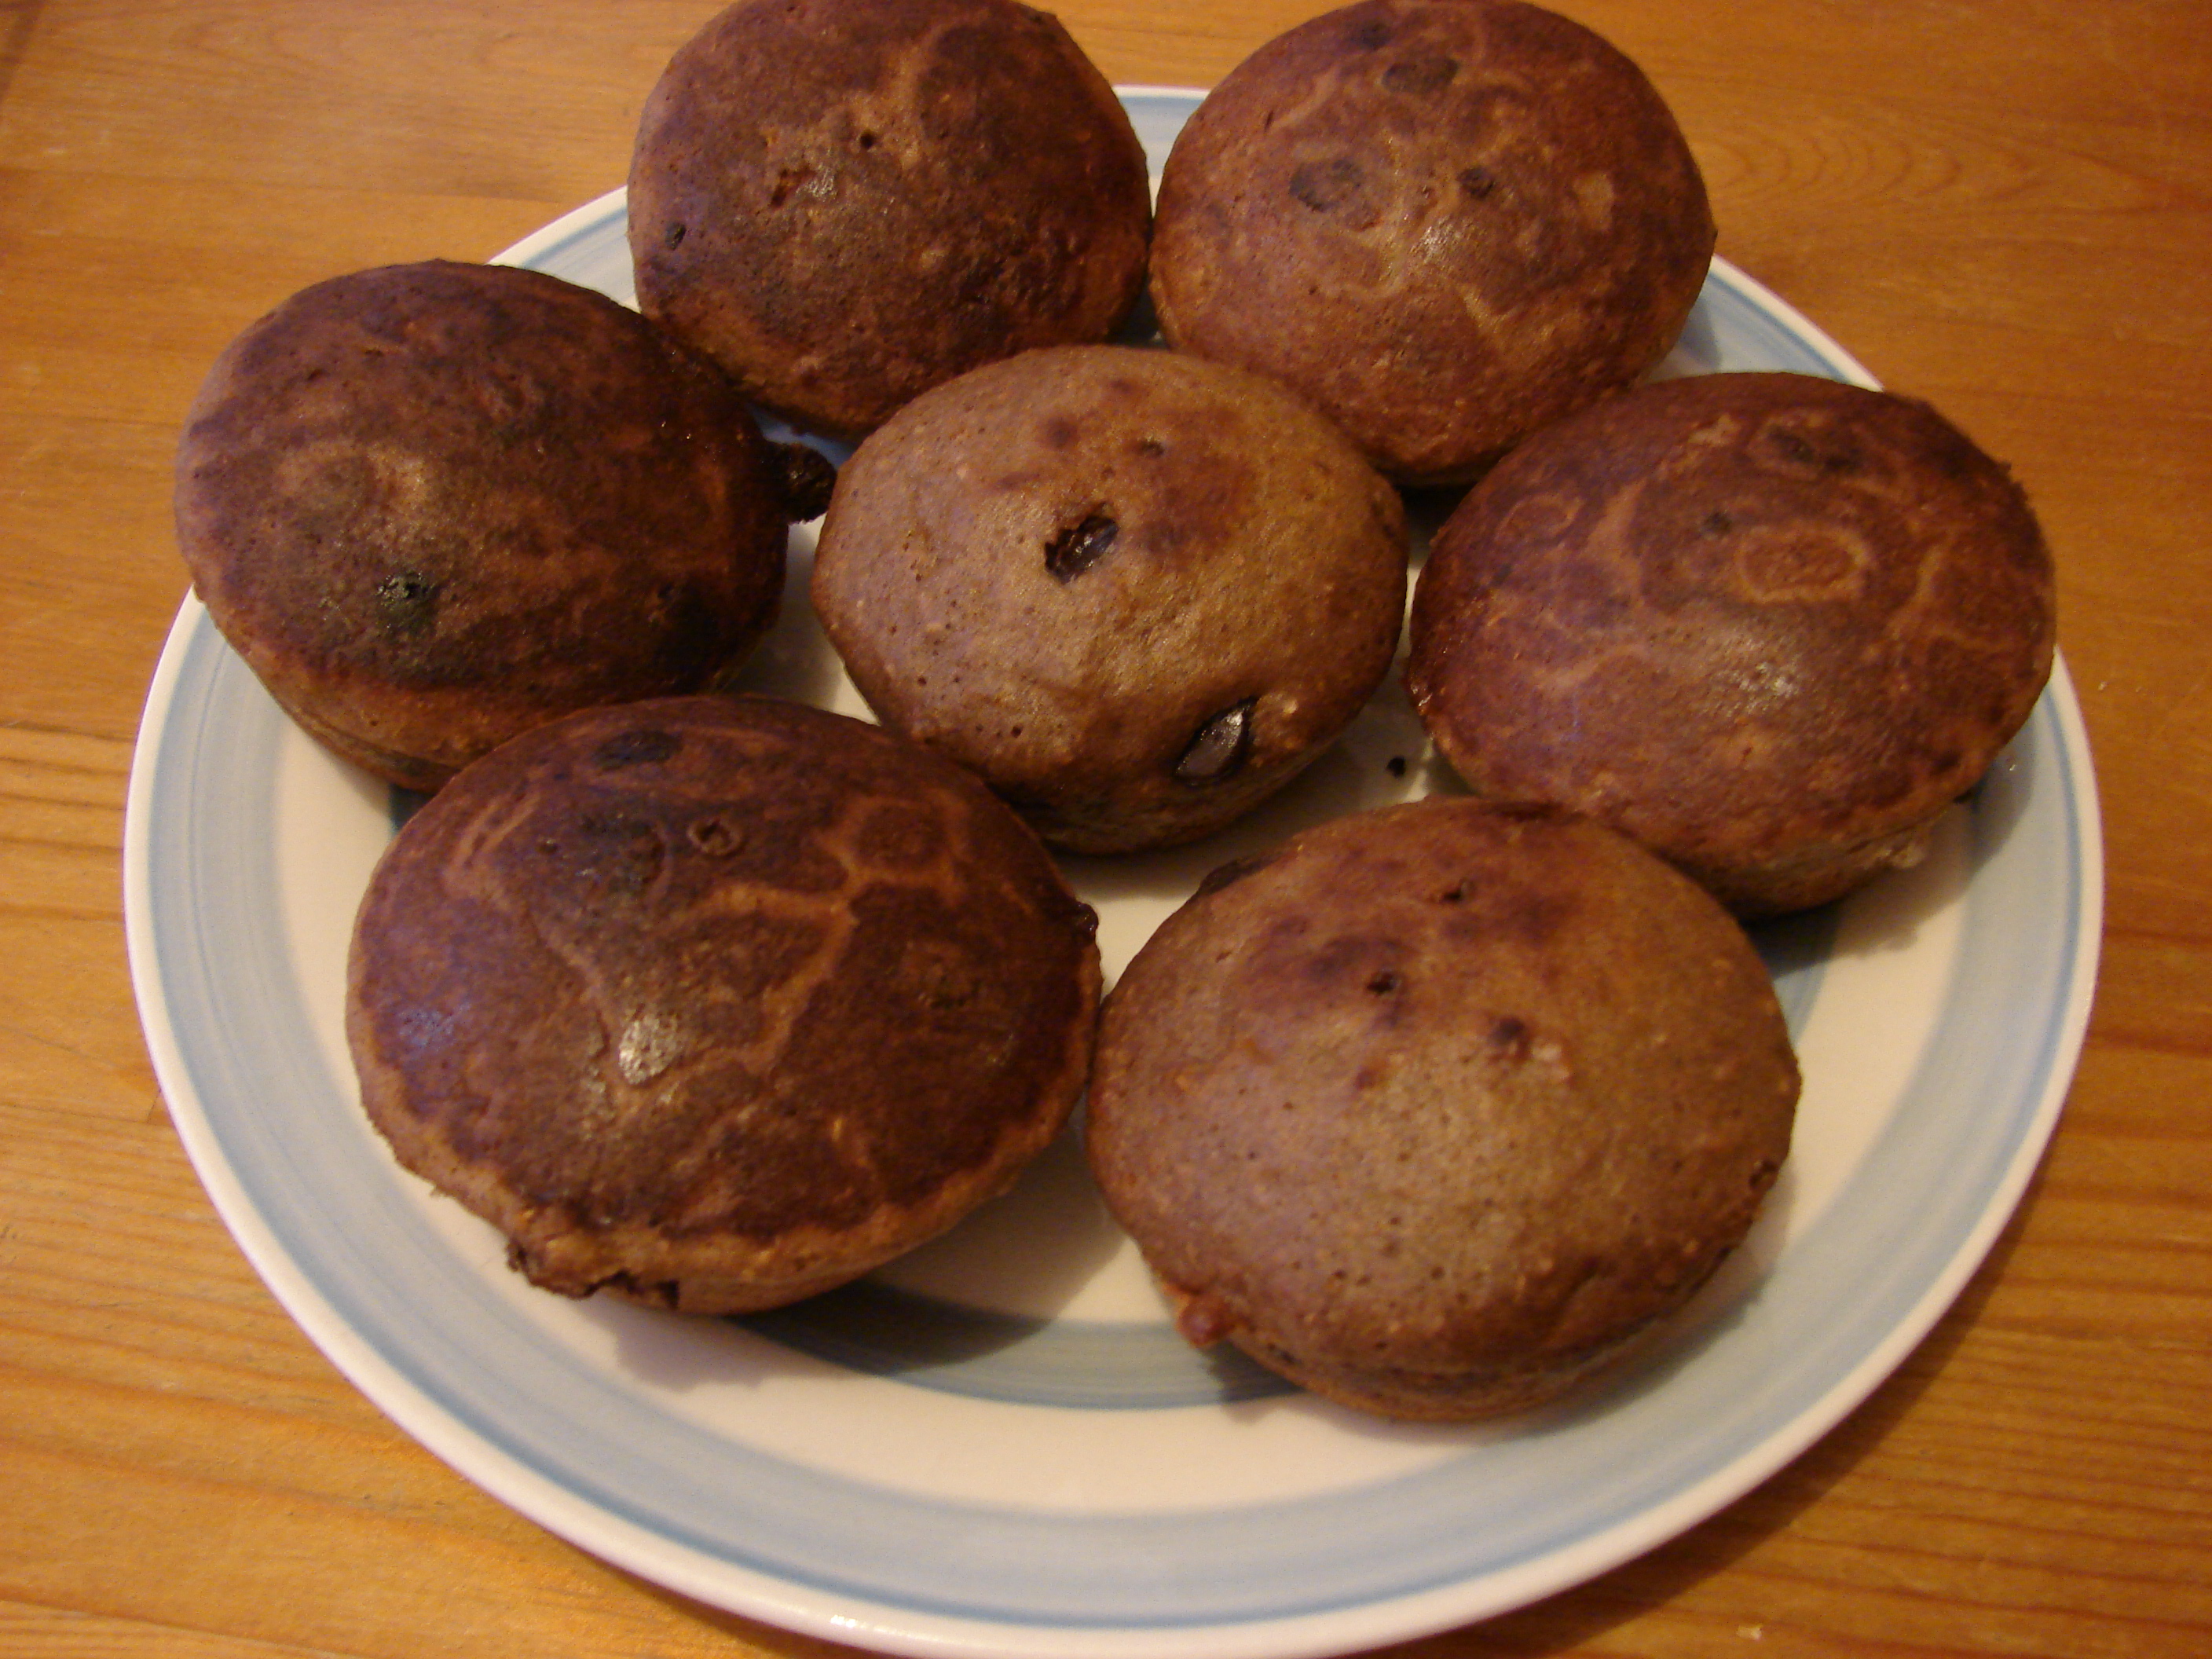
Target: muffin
<point x="846" y="202"/>
<point x="1447" y="222"/>
<point x="1436" y="1110"/>
<point x="1135" y="591"/>
<point x="434" y="505"/>
<point x="1771" y="625"/>
<point x="713" y="1003"/>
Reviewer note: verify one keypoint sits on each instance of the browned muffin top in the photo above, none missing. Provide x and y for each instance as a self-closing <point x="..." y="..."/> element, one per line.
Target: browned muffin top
<point x="1759" y="622"/>
<point x="1136" y="591"/>
<point x="1434" y="1107"/>
<point x="717" y="1002"/>
<point x="432" y="505"/>
<point x="1446" y="221"/>
<point x="846" y="202"/>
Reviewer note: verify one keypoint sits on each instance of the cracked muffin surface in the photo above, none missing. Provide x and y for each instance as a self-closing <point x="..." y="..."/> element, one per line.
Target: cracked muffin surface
<point x="1771" y="625"/>
<point x="716" y="1002"/>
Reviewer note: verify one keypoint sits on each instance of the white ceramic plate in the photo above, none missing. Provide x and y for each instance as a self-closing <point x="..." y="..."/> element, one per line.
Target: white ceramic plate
<point x="998" y="1447"/>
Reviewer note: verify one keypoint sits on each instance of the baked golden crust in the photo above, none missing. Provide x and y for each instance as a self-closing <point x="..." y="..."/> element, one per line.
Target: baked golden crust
<point x="1137" y="592"/>
<point x="846" y="202"/>
<point x="1771" y="625"/>
<point x="716" y="1002"/>
<point x="1436" y="1109"/>
<point x="433" y="505"/>
<point x="1446" y="223"/>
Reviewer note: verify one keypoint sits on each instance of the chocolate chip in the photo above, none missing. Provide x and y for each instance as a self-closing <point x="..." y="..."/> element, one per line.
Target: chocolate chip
<point x="1220" y="748"/>
<point x="407" y="603"/>
<point x="635" y="749"/>
<point x="804" y="478"/>
<point x="1076" y="548"/>
<point x="1476" y="182"/>
<point x="1717" y="523"/>
<point x="1369" y="37"/>
<point x="1395" y="766"/>
<point x="1419" y="76"/>
<point x="1325" y="184"/>
<point x="1510" y="1037"/>
<point x="1792" y="446"/>
<point x="673" y="237"/>
<point x="1385" y="983"/>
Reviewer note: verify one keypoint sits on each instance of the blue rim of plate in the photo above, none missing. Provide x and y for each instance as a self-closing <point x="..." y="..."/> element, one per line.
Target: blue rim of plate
<point x="278" y="1142"/>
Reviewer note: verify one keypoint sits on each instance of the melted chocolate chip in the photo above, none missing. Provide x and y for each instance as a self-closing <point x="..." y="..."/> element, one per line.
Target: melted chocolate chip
<point x="635" y="749"/>
<point x="407" y="603"/>
<point x="1476" y="182"/>
<point x="1221" y="747"/>
<point x="804" y="478"/>
<point x="1228" y="874"/>
<point x="1510" y="1038"/>
<point x="1325" y="184"/>
<point x="1419" y="76"/>
<point x="672" y="238"/>
<point x="1792" y="446"/>
<point x="1075" y="549"/>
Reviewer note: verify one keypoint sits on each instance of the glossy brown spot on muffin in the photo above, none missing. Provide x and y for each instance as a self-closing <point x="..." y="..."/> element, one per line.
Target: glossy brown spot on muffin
<point x="636" y="748"/>
<point x="1323" y="185"/>
<point x="1234" y="871"/>
<point x="806" y="478"/>
<point x="1081" y="545"/>
<point x="1221" y="747"/>
<point x="1416" y="76"/>
<point x="407" y="602"/>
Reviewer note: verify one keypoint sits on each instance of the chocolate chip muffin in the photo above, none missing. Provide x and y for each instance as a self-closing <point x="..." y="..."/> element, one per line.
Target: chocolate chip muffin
<point x="1447" y="222"/>
<point x="433" y="505"/>
<point x="1436" y="1110"/>
<point x="1771" y="625"/>
<point x="713" y="1003"/>
<point x="1135" y="591"/>
<point x="846" y="202"/>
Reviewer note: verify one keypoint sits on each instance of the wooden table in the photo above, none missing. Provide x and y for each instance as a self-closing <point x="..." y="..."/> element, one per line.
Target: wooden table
<point x="2002" y="205"/>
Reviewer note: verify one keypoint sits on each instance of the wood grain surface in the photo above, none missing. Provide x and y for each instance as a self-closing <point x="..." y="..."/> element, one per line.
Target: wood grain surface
<point x="2002" y="205"/>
